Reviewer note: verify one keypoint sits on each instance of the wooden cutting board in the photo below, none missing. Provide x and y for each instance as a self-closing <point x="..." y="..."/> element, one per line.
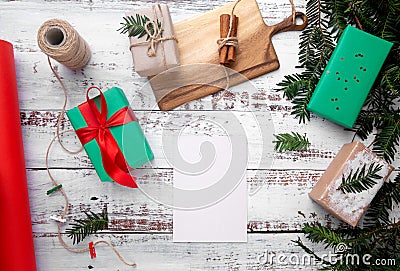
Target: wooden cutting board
<point x="197" y="44"/>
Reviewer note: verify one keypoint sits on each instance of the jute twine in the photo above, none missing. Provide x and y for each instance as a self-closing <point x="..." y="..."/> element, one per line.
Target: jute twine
<point x="73" y="52"/>
<point x="156" y="37"/>
<point x="60" y="41"/>
<point x="228" y="41"/>
<point x="57" y="137"/>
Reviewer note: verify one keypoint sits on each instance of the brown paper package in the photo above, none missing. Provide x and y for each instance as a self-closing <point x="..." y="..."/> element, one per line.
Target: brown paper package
<point x="348" y="207"/>
<point x="149" y="66"/>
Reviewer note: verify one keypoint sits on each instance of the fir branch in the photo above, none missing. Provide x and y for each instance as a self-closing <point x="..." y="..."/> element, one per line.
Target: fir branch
<point x="82" y="228"/>
<point x="135" y="26"/>
<point x="292" y="84"/>
<point x="322" y="234"/>
<point x="316" y="47"/>
<point x="291" y="142"/>
<point x="361" y="180"/>
<point x="386" y="199"/>
<point x="388" y="138"/>
<point x="300" y="243"/>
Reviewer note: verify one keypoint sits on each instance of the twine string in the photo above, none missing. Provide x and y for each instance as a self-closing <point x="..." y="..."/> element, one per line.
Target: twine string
<point x="293" y="11"/>
<point x="229" y="41"/>
<point x="57" y="138"/>
<point x="71" y="49"/>
<point x="154" y="38"/>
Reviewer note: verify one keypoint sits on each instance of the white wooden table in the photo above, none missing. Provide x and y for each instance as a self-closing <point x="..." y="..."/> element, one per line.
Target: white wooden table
<point x="140" y="228"/>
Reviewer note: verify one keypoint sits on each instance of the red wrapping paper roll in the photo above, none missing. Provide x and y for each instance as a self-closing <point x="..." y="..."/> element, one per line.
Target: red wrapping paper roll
<point x="16" y="241"/>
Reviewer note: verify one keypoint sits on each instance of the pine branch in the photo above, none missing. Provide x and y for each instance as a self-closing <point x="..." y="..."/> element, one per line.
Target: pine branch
<point x="388" y="139"/>
<point x="82" y="228"/>
<point x="300" y="243"/>
<point x="385" y="200"/>
<point x="322" y="234"/>
<point x="291" y="142"/>
<point x="316" y="47"/>
<point x="292" y="85"/>
<point x="361" y="180"/>
<point x="135" y="26"/>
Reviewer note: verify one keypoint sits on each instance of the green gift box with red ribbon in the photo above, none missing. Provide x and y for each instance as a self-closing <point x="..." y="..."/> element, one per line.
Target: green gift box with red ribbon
<point x="111" y="136"/>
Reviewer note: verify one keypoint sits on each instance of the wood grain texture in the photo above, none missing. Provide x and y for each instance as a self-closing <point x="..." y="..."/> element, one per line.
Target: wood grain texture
<point x="157" y="252"/>
<point x="139" y="227"/>
<point x="326" y="138"/>
<point x="131" y="211"/>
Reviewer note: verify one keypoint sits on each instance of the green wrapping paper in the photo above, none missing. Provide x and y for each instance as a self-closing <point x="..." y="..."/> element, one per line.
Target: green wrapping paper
<point x="129" y="137"/>
<point x="348" y="77"/>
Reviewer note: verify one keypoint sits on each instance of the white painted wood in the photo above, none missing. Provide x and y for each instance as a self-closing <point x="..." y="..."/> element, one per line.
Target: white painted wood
<point x="139" y="227"/>
<point x="327" y="138"/>
<point x="157" y="252"/>
<point x="278" y="200"/>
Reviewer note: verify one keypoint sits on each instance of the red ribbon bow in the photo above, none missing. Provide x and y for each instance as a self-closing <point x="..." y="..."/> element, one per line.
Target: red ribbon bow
<point x="99" y="129"/>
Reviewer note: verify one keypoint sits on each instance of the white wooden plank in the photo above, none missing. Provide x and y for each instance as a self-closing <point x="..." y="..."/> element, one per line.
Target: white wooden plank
<point x="326" y="138"/>
<point x="157" y="252"/>
<point x="281" y="201"/>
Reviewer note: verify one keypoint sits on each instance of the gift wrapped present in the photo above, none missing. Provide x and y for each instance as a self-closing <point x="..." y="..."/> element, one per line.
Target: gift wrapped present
<point x="111" y="136"/>
<point x="350" y="206"/>
<point x="153" y="45"/>
<point x="349" y="76"/>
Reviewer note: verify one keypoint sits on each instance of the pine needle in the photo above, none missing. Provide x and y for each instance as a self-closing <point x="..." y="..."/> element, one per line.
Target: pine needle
<point x="135" y="26"/>
<point x="361" y="180"/>
<point x="82" y="228"/>
<point x="291" y="142"/>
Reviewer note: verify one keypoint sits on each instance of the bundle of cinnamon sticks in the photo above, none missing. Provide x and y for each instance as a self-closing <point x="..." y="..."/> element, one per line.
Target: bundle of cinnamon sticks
<point x="227" y="54"/>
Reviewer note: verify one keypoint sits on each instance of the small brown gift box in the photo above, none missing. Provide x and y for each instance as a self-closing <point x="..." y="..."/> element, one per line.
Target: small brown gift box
<point x="348" y="207"/>
<point x="153" y="56"/>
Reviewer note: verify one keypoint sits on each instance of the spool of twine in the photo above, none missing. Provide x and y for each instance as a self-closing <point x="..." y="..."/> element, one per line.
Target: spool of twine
<point x="60" y="41"/>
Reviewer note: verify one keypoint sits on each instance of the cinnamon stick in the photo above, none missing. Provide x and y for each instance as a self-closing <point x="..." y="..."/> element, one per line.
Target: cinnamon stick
<point x="224" y="29"/>
<point x="232" y="50"/>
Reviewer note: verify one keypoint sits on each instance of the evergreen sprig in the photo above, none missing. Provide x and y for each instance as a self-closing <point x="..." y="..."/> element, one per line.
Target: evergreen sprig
<point x="387" y="198"/>
<point x="82" y="228"/>
<point x="321" y="234"/>
<point x="361" y="180"/>
<point x="291" y="142"/>
<point x="135" y="26"/>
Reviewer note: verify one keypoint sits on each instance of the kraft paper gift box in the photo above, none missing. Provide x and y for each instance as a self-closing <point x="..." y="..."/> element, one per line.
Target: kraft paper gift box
<point x="128" y="136"/>
<point x="348" y="207"/>
<point x="348" y="77"/>
<point x="166" y="51"/>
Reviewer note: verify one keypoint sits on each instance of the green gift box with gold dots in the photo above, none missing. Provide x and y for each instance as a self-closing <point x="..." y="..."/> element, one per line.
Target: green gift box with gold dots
<point x="349" y="76"/>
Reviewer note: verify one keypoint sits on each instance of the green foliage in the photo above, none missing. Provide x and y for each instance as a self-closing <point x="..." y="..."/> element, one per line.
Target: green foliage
<point x="327" y="20"/>
<point x="135" y="26"/>
<point x="291" y="142"/>
<point x="322" y="234"/>
<point x="82" y="228"/>
<point x="361" y="180"/>
<point x="388" y="138"/>
<point x="385" y="201"/>
<point x="380" y="116"/>
<point x="381" y="242"/>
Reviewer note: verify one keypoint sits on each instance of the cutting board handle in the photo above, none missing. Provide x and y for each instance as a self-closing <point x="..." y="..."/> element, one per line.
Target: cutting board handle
<point x="287" y="24"/>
